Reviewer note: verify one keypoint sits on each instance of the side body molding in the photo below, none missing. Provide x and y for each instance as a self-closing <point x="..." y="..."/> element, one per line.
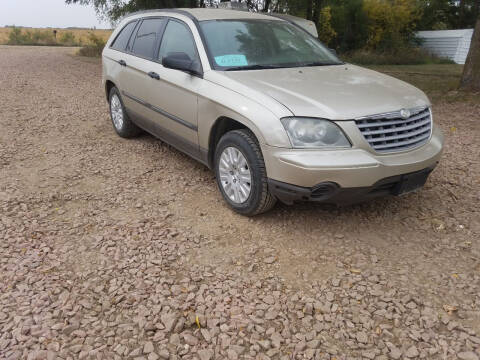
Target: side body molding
<point x="160" y="111"/>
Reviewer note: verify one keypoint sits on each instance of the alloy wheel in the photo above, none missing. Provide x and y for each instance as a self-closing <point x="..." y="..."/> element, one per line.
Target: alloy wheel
<point x="235" y="175"/>
<point x="116" y="112"/>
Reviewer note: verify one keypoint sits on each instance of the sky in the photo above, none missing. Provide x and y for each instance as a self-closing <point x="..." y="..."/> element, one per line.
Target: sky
<point x="48" y="13"/>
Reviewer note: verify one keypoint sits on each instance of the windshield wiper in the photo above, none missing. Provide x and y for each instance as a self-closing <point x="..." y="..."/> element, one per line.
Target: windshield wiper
<point x="260" y="67"/>
<point x="254" y="67"/>
<point x="319" y="63"/>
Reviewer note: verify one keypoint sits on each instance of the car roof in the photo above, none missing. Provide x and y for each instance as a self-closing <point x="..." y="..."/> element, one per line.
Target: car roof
<point x="219" y="14"/>
<point x="201" y="14"/>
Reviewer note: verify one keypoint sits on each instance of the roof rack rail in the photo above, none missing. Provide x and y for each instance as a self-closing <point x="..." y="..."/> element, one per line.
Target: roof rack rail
<point x="177" y="11"/>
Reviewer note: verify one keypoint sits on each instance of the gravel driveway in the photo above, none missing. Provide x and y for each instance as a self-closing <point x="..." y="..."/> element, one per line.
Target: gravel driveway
<point x="114" y="248"/>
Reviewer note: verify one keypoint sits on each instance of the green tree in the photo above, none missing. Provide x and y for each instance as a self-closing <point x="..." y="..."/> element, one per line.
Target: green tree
<point x="325" y="31"/>
<point x="391" y="24"/>
<point x="448" y="14"/>
<point x="115" y="9"/>
<point x="349" y="21"/>
<point x="346" y="25"/>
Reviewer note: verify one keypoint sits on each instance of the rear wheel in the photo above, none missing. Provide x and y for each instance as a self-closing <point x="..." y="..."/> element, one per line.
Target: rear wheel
<point x="241" y="174"/>
<point x="120" y="120"/>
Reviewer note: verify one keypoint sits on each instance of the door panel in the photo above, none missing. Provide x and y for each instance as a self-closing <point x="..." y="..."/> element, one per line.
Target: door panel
<point x="136" y="85"/>
<point x="175" y="99"/>
<point x="134" y="79"/>
<point x="116" y="53"/>
<point x="164" y="105"/>
<point x="174" y="95"/>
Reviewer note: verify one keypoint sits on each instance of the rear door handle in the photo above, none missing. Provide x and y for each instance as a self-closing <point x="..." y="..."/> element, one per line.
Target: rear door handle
<point x="154" y="75"/>
<point x="122" y="62"/>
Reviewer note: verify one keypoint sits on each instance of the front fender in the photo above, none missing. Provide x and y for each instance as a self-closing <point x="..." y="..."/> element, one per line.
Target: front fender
<point x="216" y="101"/>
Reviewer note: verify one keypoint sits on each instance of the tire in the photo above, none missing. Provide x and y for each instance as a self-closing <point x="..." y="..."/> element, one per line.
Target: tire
<point x="122" y="124"/>
<point x="242" y="143"/>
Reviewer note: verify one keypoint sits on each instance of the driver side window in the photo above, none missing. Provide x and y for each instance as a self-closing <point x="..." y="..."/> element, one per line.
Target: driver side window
<point x="177" y="38"/>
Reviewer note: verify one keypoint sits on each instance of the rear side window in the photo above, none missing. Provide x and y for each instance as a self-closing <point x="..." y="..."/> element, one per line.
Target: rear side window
<point x="146" y="38"/>
<point x="120" y="42"/>
<point x="177" y="38"/>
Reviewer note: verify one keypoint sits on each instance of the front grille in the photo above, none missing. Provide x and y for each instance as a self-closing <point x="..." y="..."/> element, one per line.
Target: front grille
<point x="390" y="132"/>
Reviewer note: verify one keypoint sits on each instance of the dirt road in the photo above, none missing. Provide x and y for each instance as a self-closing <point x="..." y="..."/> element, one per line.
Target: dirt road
<point x="114" y="248"/>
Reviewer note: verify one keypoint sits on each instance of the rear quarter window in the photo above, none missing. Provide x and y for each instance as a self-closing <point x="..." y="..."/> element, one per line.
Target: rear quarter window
<point x="146" y="37"/>
<point x="121" y="41"/>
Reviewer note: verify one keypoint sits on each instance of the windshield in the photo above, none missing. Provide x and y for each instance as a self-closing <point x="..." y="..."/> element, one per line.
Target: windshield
<point x="260" y="44"/>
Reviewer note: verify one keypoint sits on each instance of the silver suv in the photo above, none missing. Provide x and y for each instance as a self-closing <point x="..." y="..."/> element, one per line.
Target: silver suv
<point x="262" y="102"/>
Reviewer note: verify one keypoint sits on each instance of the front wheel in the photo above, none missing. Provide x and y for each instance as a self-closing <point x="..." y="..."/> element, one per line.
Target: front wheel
<point x="241" y="174"/>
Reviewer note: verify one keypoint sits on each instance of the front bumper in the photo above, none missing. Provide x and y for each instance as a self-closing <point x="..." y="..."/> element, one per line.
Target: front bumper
<point x="328" y="192"/>
<point x="355" y="170"/>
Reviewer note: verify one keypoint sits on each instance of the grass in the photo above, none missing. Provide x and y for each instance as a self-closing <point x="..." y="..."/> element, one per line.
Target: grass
<point x="92" y="42"/>
<point x="64" y="36"/>
<point x="439" y="81"/>
<point x="402" y="56"/>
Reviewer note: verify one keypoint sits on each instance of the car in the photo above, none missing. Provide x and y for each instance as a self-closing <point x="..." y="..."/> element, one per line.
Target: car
<point x="262" y="102"/>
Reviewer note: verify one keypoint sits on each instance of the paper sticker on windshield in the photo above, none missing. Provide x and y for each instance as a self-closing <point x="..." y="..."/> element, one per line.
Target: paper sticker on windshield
<point x="231" y="60"/>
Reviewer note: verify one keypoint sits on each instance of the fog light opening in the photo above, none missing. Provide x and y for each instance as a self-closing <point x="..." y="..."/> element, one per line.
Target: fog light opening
<point x="324" y="190"/>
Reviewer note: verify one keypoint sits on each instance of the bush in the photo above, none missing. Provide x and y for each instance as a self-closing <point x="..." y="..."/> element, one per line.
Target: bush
<point x="68" y="39"/>
<point x="15" y="37"/>
<point x="94" y="47"/>
<point x="40" y="37"/>
<point x="403" y="56"/>
<point x="30" y="37"/>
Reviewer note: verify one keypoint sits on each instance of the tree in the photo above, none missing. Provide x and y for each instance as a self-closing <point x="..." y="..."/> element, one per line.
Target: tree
<point x="317" y="7"/>
<point x="325" y="31"/>
<point x="391" y="24"/>
<point x="309" y="9"/>
<point x="115" y="9"/>
<point x="448" y="14"/>
<point x="471" y="71"/>
<point x="349" y="21"/>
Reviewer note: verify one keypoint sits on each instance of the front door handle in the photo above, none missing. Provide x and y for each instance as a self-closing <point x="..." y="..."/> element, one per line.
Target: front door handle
<point x="154" y="75"/>
<point x="122" y="62"/>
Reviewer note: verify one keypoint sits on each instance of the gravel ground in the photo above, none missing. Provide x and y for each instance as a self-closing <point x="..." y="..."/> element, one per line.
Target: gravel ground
<point x="116" y="248"/>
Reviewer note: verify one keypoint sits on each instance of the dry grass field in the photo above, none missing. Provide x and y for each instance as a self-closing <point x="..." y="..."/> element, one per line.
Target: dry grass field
<point x="81" y="35"/>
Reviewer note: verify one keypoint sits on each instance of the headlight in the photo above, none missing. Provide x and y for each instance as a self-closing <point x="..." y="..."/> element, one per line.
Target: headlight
<point x="314" y="133"/>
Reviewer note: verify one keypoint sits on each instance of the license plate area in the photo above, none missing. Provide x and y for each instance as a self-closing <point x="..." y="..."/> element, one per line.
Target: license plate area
<point x="411" y="182"/>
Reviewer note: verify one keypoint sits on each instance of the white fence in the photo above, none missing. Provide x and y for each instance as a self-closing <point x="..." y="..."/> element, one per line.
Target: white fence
<point x="451" y="44"/>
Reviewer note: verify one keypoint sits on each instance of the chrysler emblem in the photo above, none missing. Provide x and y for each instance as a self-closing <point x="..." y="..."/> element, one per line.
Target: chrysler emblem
<point x="404" y="113"/>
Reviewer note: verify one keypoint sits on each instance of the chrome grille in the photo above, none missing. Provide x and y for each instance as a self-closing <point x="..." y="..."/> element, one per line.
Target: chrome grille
<point x="390" y="132"/>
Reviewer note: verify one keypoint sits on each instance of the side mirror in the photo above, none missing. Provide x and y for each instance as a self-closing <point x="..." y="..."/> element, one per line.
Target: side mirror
<point x="181" y="61"/>
<point x="333" y="51"/>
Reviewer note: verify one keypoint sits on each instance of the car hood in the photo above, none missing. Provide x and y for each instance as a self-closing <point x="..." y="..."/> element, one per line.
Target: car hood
<point x="338" y="92"/>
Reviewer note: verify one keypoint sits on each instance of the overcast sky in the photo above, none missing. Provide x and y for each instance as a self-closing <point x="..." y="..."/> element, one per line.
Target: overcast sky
<point x="47" y="13"/>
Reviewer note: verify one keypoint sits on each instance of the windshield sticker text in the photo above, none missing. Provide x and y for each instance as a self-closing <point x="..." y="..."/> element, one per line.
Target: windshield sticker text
<point x="231" y="60"/>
